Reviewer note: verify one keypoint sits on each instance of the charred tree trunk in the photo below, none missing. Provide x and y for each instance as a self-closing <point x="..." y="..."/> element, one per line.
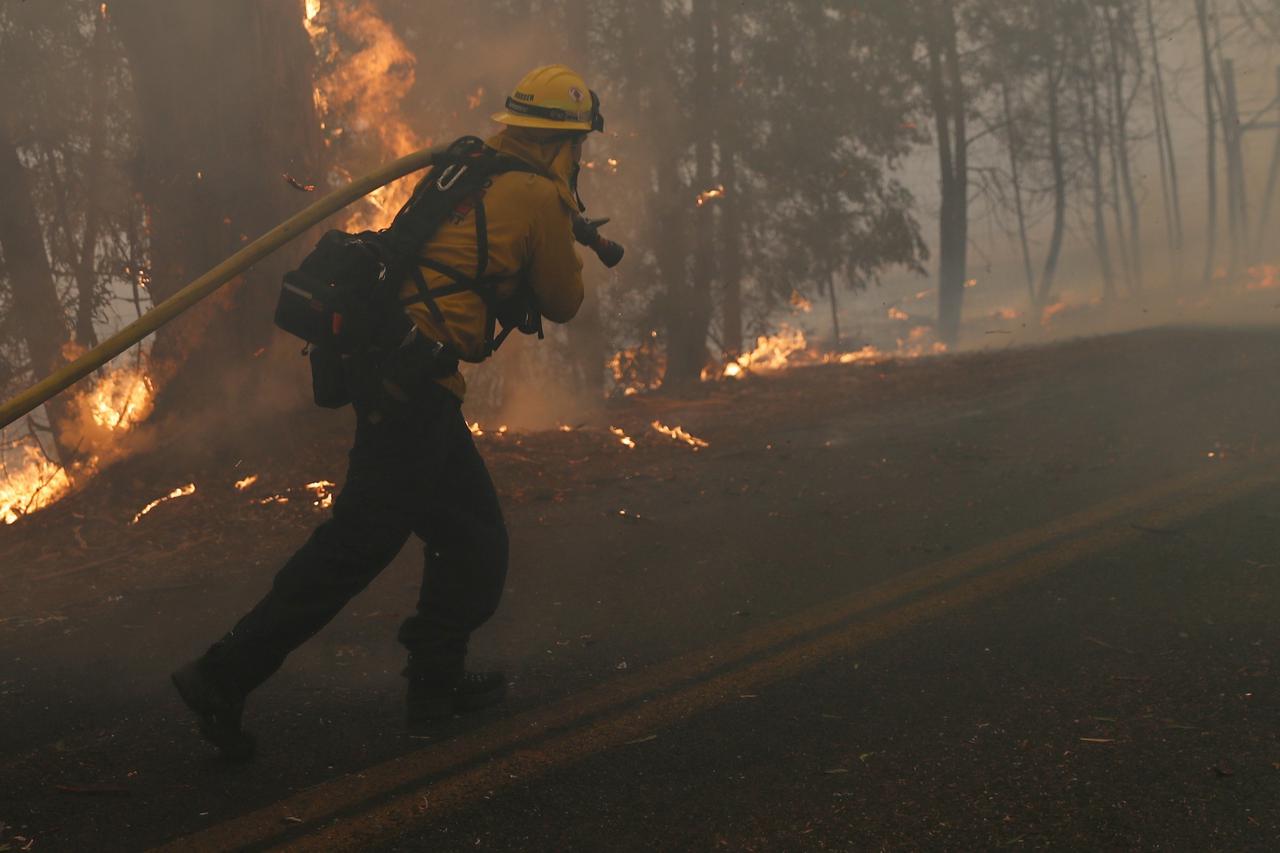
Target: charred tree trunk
<point x="835" y="310"/>
<point x="947" y="100"/>
<point x="225" y="109"/>
<point x="86" y="272"/>
<point x="1091" y="133"/>
<point x="1133" y="253"/>
<point x="36" y="306"/>
<point x="1233" y="145"/>
<point x="1164" y="142"/>
<point x="586" y="332"/>
<point x="1047" y="276"/>
<point x="670" y="208"/>
<point x="688" y="355"/>
<point x="1268" y="194"/>
<point x="729" y="239"/>
<point x="1109" y="138"/>
<point x="1211" y="148"/>
<point x="1015" y="173"/>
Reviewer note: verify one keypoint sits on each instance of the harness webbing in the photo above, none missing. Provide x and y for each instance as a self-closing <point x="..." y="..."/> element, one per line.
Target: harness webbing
<point x="484" y="286"/>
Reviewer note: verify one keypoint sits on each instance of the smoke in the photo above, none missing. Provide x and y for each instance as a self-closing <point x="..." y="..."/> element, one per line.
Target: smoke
<point x="998" y="311"/>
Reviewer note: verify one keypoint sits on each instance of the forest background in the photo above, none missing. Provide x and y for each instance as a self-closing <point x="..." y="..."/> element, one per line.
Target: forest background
<point x="796" y="181"/>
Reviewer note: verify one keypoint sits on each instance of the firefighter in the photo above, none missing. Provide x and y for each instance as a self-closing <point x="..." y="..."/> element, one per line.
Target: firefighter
<point x="414" y="468"/>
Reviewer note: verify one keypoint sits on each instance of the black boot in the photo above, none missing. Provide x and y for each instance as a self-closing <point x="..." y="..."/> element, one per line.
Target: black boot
<point x="218" y="708"/>
<point x="431" y="699"/>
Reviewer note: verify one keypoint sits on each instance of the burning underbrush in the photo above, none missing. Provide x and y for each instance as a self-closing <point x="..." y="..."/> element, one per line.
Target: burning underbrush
<point x="1248" y="297"/>
<point x="639" y="369"/>
<point x="365" y="71"/>
<point x="97" y="421"/>
<point x="271" y="486"/>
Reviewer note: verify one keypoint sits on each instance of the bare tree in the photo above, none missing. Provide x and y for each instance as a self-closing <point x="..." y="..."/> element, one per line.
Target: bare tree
<point x="1164" y="144"/>
<point x="586" y="333"/>
<point x="1211" y="137"/>
<point x="33" y="292"/>
<point x="1093" y="142"/>
<point x="947" y="97"/>
<point x="728" y="131"/>
<point x="226" y="108"/>
<point x="1121" y="49"/>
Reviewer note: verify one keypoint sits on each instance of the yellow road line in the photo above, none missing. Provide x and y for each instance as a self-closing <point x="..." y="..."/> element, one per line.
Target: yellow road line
<point x="392" y="818"/>
<point x="349" y="793"/>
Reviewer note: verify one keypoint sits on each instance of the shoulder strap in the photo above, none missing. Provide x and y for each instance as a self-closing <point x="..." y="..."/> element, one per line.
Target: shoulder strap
<point x="463" y="169"/>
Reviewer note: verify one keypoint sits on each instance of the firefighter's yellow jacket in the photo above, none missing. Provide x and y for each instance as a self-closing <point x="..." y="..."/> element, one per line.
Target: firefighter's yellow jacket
<point x="530" y="226"/>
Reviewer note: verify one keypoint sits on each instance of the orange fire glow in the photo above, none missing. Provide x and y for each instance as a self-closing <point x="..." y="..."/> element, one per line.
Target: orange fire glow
<point x="790" y="348"/>
<point x="1051" y="311"/>
<point x="716" y="192"/>
<point x="639" y="368"/>
<point x="115" y="401"/>
<point x="679" y="434"/>
<point x="623" y="439"/>
<point x="360" y="92"/>
<point x="118" y="401"/>
<point x="323" y="492"/>
<point x="31" y="482"/>
<point x="180" y="492"/>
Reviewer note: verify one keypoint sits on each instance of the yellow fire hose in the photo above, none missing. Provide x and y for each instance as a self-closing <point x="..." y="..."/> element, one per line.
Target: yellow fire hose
<point x="206" y="284"/>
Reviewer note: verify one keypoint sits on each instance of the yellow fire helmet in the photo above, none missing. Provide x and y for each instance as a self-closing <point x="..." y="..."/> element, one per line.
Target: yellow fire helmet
<point x="553" y="97"/>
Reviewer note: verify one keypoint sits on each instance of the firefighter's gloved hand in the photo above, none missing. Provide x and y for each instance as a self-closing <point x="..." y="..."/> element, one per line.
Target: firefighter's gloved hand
<point x="587" y="231"/>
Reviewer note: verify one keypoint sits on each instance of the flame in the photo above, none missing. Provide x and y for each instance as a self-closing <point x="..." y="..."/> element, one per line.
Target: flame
<point x="1051" y="311"/>
<point x="799" y="303"/>
<point x="970" y="282"/>
<point x="898" y="314"/>
<point x="789" y="348"/>
<point x="867" y="353"/>
<point x="180" y="492"/>
<point x="623" y="439"/>
<point x="773" y="351"/>
<point x="712" y="194"/>
<point x="475" y="428"/>
<point x="32" y="483"/>
<point x="1006" y="314"/>
<point x="241" y="485"/>
<point x="360" y="91"/>
<point x="116" y="400"/>
<point x="121" y="399"/>
<point x="639" y="368"/>
<point x="1263" y="277"/>
<point x="273" y="499"/>
<point x="475" y="99"/>
<point x="679" y="434"/>
<point x="323" y="491"/>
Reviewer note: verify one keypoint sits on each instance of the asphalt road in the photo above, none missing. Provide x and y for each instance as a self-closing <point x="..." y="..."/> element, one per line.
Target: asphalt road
<point x="1010" y="599"/>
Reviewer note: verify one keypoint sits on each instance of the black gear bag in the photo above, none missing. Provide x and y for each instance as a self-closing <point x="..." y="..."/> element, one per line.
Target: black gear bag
<point x="344" y="297"/>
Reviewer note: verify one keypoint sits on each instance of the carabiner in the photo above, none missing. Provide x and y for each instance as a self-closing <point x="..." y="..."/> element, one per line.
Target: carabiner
<point x="449" y="177"/>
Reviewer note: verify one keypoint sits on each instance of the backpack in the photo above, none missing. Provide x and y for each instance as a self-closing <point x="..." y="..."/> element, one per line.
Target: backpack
<point x="344" y="297"/>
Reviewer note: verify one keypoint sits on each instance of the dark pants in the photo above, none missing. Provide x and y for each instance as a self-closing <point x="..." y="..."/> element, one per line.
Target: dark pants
<point x="414" y="469"/>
